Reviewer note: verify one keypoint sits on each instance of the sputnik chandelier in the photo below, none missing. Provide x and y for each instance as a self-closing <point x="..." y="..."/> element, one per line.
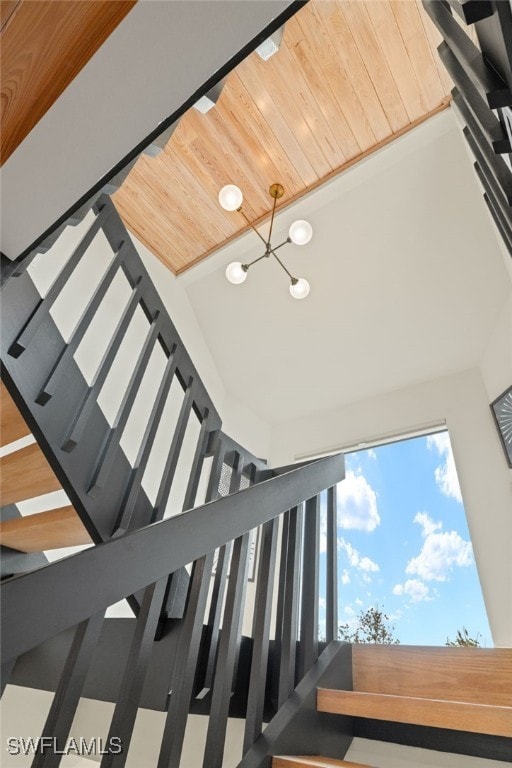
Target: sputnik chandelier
<point x="300" y="233"/>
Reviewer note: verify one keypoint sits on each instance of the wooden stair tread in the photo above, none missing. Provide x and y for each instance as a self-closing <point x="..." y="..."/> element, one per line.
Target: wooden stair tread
<point x="476" y="675"/>
<point x="12" y="424"/>
<point x="437" y="713"/>
<point x="313" y="761"/>
<point x="53" y="529"/>
<point x="26" y="474"/>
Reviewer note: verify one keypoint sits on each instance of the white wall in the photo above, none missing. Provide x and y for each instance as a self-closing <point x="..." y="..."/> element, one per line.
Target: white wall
<point x="159" y="55"/>
<point x="496" y="363"/>
<point x="462" y="402"/>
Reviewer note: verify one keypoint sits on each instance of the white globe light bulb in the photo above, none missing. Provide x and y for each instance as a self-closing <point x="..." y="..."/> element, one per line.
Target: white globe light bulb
<point x="230" y="197"/>
<point x="300" y="289"/>
<point x="235" y="273"/>
<point x="300" y="232"/>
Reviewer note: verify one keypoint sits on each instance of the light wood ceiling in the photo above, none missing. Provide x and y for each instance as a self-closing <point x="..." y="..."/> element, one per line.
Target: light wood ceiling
<point x="350" y="76"/>
<point x="45" y="44"/>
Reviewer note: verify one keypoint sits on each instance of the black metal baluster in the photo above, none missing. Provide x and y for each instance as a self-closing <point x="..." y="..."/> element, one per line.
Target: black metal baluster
<point x="219" y="584"/>
<point x="197" y="463"/>
<point x="219" y="453"/>
<point x="290" y="607"/>
<point x="308" y="647"/>
<point x="185" y="661"/>
<point x="484" y="77"/>
<point x="128" y="505"/>
<point x="104" y="367"/>
<point x="125" y="712"/>
<point x="185" y="665"/>
<point x="106" y="459"/>
<point x="278" y="639"/>
<point x="228" y="647"/>
<point x="331" y="592"/>
<point x="67" y="696"/>
<point x="174" y="452"/>
<point x="44" y="306"/>
<point x="261" y="633"/>
<point x="48" y="389"/>
<point x="217" y="600"/>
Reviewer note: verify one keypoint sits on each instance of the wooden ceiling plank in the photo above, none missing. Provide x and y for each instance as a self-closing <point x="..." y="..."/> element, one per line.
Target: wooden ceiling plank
<point x="280" y="78"/>
<point x="309" y="58"/>
<point x="372" y="54"/>
<point x="53" y="529"/>
<point x="207" y="204"/>
<point x="12" y="425"/>
<point x="434" y="38"/>
<point x="242" y="142"/>
<point x="250" y="76"/>
<point x="44" y="46"/>
<point x="228" y="163"/>
<point x="145" y="223"/>
<point x="192" y="208"/>
<point x="26" y="474"/>
<point x="249" y="132"/>
<point x="8" y="9"/>
<point x="333" y="18"/>
<point x="420" y="54"/>
<point x="390" y="39"/>
<point x="177" y="228"/>
<point x="207" y="187"/>
<point x="310" y="103"/>
<point x="341" y="84"/>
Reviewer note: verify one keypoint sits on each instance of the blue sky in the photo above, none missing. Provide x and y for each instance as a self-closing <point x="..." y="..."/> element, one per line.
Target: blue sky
<point x="404" y="544"/>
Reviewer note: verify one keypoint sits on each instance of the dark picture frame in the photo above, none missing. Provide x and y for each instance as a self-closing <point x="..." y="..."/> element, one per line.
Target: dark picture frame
<point x="501" y="409"/>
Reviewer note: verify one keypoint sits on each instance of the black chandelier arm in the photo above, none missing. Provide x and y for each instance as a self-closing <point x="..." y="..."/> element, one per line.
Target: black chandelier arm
<point x="272" y="222"/>
<point x="277" y="247"/>
<point x="265" y="255"/>
<point x="276" y="257"/>
<point x="249" y="222"/>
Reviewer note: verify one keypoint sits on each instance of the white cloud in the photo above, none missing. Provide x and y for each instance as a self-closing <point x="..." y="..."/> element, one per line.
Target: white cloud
<point x="414" y="589"/>
<point x="446" y="474"/>
<point x="349" y="610"/>
<point x="441" y="552"/>
<point x="371" y="454"/>
<point x="345" y="577"/>
<point x="427" y="524"/>
<point x="322" y="602"/>
<point x="355" y="559"/>
<point x="357" y="504"/>
<point x="358" y="602"/>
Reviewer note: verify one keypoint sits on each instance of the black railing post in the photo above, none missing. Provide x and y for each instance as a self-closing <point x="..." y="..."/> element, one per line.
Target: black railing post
<point x="125" y="712"/>
<point x="308" y="646"/>
<point x="67" y="696"/>
<point x="261" y="633"/>
<point x="331" y="592"/>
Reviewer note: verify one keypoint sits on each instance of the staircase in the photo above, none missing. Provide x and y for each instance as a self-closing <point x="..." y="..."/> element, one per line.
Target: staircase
<point x="216" y="554"/>
<point x="222" y="578"/>
<point x="27" y="476"/>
